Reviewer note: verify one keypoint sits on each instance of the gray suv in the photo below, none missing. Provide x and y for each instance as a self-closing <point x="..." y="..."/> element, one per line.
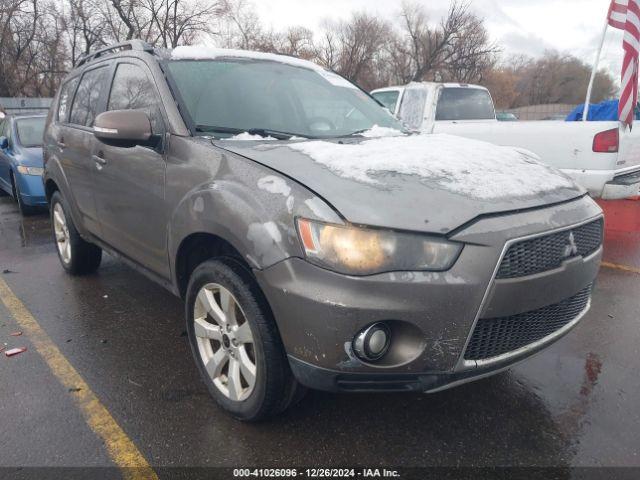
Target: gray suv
<point x="315" y="241"/>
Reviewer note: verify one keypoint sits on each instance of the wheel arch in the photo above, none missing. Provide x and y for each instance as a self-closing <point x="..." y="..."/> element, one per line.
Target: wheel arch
<point x="197" y="248"/>
<point x="50" y="187"/>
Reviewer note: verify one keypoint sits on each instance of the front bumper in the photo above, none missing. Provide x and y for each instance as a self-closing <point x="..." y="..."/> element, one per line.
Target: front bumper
<point x="318" y="312"/>
<point x="608" y="184"/>
<point x="623" y="186"/>
<point x="31" y="190"/>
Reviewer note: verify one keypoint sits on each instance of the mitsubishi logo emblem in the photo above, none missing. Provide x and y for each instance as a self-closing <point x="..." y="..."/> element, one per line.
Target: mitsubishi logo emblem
<point x="571" y="249"/>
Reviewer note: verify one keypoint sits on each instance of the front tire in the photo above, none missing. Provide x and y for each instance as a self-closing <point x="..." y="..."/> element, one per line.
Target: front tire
<point x="77" y="256"/>
<point x="235" y="341"/>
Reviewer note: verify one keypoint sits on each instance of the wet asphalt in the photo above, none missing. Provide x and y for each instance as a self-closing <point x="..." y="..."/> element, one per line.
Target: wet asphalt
<point x="575" y="404"/>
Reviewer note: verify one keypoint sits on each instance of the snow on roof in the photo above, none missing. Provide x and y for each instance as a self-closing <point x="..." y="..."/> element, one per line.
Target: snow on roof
<point x="467" y="167"/>
<point x="203" y="52"/>
<point x="429" y="85"/>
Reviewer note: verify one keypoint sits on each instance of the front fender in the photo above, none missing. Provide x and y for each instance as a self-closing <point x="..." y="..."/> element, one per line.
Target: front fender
<point x="251" y="207"/>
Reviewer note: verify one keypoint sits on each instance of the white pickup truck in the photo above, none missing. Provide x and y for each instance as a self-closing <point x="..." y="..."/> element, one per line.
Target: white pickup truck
<point x="600" y="156"/>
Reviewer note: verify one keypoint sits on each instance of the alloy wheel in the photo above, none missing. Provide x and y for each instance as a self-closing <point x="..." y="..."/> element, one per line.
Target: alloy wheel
<point x="61" y="231"/>
<point x="225" y="342"/>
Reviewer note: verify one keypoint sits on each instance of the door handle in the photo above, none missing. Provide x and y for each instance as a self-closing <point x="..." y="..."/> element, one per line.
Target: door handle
<point x="100" y="162"/>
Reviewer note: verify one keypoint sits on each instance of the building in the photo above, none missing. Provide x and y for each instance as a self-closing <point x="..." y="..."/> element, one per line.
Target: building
<point x="24" y="105"/>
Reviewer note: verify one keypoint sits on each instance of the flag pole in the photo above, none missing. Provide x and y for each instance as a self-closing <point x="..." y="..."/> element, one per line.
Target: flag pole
<point x="585" y="114"/>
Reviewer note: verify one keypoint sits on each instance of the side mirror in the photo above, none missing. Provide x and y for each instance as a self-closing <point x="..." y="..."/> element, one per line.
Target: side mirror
<point x="124" y="128"/>
<point x="4" y="143"/>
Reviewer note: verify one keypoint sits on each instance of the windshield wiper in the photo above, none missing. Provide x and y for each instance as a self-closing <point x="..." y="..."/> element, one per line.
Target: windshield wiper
<point x="262" y="132"/>
<point x="212" y="129"/>
<point x="360" y="132"/>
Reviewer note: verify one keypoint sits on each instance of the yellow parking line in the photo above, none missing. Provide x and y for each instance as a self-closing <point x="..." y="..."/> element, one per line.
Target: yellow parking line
<point x="624" y="268"/>
<point x="119" y="446"/>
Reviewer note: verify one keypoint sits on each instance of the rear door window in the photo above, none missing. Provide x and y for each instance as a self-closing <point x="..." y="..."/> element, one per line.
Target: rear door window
<point x="132" y="89"/>
<point x="66" y="95"/>
<point x="86" y="103"/>
<point x="465" y="104"/>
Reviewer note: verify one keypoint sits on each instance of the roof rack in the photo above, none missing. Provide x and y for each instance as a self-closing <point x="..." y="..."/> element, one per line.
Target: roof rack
<point x="137" y="45"/>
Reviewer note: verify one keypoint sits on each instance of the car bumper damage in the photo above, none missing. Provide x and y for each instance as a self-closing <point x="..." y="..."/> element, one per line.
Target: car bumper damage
<point x="504" y="300"/>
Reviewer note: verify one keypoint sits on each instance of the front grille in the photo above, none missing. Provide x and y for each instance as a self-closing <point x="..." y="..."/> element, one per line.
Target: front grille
<point x="495" y="336"/>
<point x="546" y="253"/>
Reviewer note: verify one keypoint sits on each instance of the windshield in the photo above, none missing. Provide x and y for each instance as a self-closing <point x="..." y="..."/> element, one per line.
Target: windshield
<point x="227" y="97"/>
<point x="30" y="131"/>
<point x="465" y="104"/>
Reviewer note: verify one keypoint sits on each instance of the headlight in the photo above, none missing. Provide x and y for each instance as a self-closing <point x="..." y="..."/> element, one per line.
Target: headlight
<point x="362" y="251"/>
<point x="37" y="171"/>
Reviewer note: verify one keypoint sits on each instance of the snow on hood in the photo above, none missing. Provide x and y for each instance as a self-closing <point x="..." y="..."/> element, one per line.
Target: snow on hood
<point x="248" y="136"/>
<point x="377" y="131"/>
<point x="463" y="166"/>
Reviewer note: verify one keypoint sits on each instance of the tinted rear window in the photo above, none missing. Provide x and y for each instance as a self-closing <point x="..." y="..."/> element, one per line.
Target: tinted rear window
<point x="465" y="104"/>
<point x="30" y="131"/>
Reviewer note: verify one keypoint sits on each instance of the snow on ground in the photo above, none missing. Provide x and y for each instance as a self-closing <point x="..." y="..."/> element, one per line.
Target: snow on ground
<point x="460" y="165"/>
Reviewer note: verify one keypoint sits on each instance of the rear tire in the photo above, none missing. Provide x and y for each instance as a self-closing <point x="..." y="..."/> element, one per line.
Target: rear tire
<point x="77" y="256"/>
<point x="270" y="387"/>
<point x="25" y="210"/>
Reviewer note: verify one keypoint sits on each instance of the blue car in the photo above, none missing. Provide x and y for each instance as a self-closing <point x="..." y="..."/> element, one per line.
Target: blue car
<point x="21" y="160"/>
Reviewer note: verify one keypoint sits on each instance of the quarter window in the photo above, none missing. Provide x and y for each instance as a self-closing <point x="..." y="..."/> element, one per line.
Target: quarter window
<point x="66" y="95"/>
<point x="133" y="90"/>
<point x="85" y="104"/>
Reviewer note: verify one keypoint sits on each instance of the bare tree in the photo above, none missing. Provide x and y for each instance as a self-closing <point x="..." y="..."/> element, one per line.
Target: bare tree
<point x="18" y="27"/>
<point x="458" y="47"/>
<point x="240" y="27"/>
<point x="351" y="47"/>
<point x="180" y="21"/>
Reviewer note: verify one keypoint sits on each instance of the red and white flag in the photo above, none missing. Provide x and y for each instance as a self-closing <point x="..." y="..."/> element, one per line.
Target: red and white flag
<point x="625" y="14"/>
<point x="618" y="13"/>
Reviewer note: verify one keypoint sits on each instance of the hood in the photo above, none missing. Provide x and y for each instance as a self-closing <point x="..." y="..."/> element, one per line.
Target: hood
<point x="30" y="157"/>
<point x="426" y="183"/>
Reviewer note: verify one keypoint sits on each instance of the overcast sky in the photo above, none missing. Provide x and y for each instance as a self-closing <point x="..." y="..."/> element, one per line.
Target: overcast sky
<point x="520" y="26"/>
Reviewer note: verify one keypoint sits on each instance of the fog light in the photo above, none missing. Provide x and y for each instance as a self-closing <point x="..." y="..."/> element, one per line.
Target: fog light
<point x="372" y="343"/>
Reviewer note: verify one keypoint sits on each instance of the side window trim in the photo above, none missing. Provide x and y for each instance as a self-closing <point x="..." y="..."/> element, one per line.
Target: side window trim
<point x="70" y="99"/>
